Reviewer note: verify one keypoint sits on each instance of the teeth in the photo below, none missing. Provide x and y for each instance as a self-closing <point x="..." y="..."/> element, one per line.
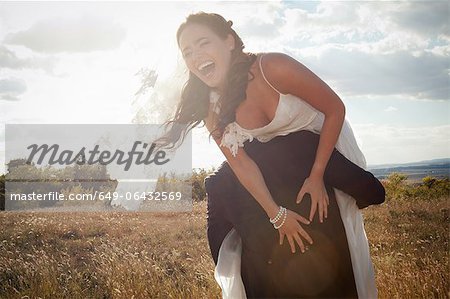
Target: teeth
<point x="204" y="64"/>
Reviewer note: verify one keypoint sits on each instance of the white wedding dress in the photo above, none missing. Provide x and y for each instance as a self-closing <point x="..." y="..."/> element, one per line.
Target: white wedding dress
<point x="293" y="114"/>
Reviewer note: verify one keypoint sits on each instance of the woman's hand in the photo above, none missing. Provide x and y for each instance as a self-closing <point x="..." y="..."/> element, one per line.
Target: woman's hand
<point x="293" y="230"/>
<point x="319" y="196"/>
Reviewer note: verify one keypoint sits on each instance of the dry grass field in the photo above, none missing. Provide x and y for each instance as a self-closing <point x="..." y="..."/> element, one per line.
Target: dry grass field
<point x="148" y="255"/>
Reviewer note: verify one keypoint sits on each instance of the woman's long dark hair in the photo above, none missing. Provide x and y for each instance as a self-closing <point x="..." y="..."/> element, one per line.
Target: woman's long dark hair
<point x="195" y="96"/>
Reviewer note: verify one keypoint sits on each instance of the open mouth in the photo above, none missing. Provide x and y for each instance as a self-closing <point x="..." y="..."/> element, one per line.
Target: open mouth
<point x="207" y="68"/>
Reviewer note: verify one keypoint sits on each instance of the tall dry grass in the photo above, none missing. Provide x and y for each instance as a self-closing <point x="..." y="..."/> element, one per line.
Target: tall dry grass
<point x="106" y="255"/>
<point x="148" y="255"/>
<point x="409" y="247"/>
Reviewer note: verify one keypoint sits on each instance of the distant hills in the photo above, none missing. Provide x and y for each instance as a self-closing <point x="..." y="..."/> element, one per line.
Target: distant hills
<point x="438" y="168"/>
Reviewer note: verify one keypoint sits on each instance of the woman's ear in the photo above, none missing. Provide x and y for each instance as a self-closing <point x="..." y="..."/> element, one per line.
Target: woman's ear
<point x="230" y="42"/>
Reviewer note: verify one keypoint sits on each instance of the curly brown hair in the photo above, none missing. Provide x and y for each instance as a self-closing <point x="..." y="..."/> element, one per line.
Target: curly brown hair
<point x="193" y="106"/>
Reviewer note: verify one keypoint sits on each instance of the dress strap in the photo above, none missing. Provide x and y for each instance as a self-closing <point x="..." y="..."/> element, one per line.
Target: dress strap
<point x="265" y="79"/>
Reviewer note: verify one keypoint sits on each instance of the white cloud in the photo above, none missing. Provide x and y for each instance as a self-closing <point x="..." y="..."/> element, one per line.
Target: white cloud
<point x="379" y="27"/>
<point x="398" y="144"/>
<point x="424" y="76"/>
<point x="11" y="88"/>
<point x="83" y="34"/>
<point x="390" y="109"/>
<point x="8" y="59"/>
<point x="424" y="18"/>
<point x="265" y="21"/>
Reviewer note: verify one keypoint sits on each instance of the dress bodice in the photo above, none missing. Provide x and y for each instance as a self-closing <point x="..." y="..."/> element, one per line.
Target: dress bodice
<point x="292" y="114"/>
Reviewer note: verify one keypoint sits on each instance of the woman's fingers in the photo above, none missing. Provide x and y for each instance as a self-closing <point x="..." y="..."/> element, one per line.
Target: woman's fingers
<point x="291" y="243"/>
<point x="299" y="242"/>
<point x="294" y="231"/>
<point x="305" y="235"/>
<point x="320" y="210"/>
<point x="301" y="218"/>
<point x="300" y="195"/>
<point x="281" y="237"/>
<point x="313" y="210"/>
<point x="296" y="236"/>
<point x="321" y="206"/>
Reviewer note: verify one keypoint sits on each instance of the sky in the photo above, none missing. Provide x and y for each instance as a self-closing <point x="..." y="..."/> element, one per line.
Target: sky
<point x="83" y="63"/>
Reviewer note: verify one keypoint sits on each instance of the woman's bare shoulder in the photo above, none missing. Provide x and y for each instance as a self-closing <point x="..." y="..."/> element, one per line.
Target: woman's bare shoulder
<point x="272" y="59"/>
<point x="284" y="71"/>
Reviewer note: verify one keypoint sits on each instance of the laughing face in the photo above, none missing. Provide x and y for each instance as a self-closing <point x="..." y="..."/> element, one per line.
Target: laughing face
<point x="206" y="54"/>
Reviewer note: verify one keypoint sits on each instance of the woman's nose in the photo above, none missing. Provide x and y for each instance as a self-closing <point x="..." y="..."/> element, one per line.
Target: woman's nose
<point x="197" y="53"/>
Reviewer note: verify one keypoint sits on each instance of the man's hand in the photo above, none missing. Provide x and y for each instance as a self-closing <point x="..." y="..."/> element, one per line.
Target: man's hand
<point x="319" y="197"/>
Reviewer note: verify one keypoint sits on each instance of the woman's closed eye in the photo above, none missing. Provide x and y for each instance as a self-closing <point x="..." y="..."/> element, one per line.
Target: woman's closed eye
<point x="204" y="43"/>
<point x="187" y="54"/>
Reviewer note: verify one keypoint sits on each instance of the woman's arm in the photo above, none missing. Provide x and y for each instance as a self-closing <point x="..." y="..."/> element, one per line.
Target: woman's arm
<point x="291" y="77"/>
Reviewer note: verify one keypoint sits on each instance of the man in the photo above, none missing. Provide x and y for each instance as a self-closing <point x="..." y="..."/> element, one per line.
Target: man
<point x="268" y="268"/>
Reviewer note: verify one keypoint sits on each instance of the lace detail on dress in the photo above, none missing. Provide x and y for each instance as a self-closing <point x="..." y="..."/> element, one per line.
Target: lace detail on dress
<point x="234" y="137"/>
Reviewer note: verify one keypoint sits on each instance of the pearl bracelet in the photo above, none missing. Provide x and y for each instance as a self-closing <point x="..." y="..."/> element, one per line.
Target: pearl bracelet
<point x="282" y="222"/>
<point x="278" y="216"/>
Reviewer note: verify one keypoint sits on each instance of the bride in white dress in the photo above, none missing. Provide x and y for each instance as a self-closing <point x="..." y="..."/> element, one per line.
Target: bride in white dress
<point x="294" y="114"/>
<point x="220" y="72"/>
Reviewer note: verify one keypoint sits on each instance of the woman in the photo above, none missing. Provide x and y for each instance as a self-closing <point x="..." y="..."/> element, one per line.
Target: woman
<point x="240" y="96"/>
